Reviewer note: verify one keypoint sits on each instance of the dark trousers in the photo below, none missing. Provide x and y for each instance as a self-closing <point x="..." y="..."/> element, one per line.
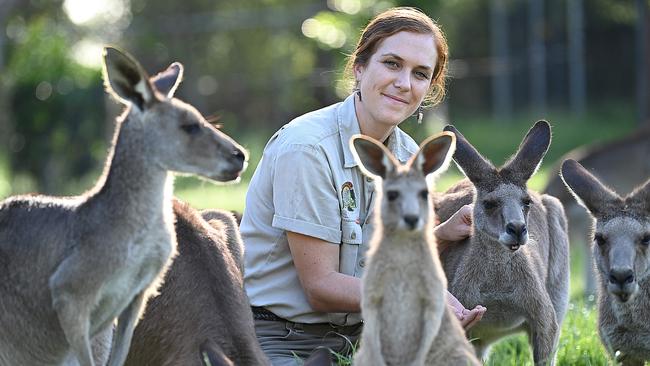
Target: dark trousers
<point x="287" y="343"/>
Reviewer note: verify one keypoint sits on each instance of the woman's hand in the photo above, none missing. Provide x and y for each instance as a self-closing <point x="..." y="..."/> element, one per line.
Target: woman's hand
<point x="458" y="227"/>
<point x="468" y="318"/>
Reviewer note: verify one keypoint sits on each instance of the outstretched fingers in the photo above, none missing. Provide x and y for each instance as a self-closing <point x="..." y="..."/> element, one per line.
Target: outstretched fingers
<point x="471" y="317"/>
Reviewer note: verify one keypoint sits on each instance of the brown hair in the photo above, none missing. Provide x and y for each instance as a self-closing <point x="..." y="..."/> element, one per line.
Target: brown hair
<point x="397" y="20"/>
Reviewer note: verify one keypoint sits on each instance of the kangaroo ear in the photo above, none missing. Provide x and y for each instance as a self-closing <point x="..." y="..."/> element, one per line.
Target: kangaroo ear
<point x="373" y="157"/>
<point x="125" y="79"/>
<point x="167" y="81"/>
<point x="640" y="197"/>
<point x="529" y="156"/>
<point x="469" y="160"/>
<point x="587" y="189"/>
<point x="435" y="153"/>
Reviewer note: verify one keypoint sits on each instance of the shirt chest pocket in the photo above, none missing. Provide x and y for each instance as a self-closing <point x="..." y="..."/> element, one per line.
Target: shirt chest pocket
<point x="350" y="254"/>
<point x="351" y="232"/>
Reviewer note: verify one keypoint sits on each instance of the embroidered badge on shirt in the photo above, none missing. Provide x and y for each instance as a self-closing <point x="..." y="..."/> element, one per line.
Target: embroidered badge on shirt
<point x="348" y="197"/>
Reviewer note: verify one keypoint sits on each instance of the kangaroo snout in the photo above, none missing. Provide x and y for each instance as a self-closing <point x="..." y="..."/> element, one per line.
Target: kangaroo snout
<point x="516" y="230"/>
<point x="234" y="162"/>
<point x="515" y="235"/>
<point x="621" y="277"/>
<point x="411" y="221"/>
<point x="622" y="283"/>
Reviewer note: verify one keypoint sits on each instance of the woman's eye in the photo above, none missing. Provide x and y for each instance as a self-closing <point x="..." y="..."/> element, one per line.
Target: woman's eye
<point x="191" y="128"/>
<point x="422" y="76"/>
<point x="391" y="64"/>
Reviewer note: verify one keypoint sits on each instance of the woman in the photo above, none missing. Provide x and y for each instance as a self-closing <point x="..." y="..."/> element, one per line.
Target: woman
<point x="308" y="207"/>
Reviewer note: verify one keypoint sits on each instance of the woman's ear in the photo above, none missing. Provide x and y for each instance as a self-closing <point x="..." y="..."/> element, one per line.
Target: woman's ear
<point x="358" y="71"/>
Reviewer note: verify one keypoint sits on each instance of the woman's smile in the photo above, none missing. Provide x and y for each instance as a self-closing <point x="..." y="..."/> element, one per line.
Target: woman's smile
<point x="395" y="99"/>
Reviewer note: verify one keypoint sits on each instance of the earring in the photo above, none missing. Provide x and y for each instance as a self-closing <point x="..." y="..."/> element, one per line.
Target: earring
<point x="358" y="91"/>
<point x="420" y="113"/>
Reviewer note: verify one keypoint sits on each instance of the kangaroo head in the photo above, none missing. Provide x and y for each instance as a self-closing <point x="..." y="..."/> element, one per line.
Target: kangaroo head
<point x="622" y="229"/>
<point x="404" y="193"/>
<point x="502" y="200"/>
<point x="174" y="134"/>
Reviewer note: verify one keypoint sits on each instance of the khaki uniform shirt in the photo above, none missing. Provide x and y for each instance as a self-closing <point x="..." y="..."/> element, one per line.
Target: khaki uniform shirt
<point x="309" y="183"/>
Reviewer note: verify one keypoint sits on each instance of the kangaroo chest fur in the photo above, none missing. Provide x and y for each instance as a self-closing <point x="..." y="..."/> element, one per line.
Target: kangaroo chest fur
<point x="622" y="326"/>
<point x="141" y="261"/>
<point x="410" y="285"/>
<point x="498" y="283"/>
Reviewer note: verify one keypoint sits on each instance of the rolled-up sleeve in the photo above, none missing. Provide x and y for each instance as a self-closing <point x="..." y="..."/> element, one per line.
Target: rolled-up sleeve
<point x="304" y="195"/>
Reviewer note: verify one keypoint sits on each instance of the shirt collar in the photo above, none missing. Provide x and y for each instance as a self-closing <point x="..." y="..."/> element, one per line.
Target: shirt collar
<point x="349" y="126"/>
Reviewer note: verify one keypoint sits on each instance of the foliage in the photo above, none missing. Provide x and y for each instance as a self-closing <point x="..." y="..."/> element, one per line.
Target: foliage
<point x="57" y="107"/>
<point x="257" y="64"/>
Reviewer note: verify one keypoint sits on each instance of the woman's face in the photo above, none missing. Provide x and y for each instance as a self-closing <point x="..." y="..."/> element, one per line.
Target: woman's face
<point x="395" y="80"/>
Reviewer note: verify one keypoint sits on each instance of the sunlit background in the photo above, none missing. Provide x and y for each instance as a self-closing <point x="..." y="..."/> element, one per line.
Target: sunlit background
<point x="257" y="64"/>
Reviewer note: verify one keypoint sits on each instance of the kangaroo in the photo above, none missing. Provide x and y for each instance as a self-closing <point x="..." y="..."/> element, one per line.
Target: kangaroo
<point x="71" y="266"/>
<point x="604" y="160"/>
<point x="201" y="310"/>
<point x="517" y="262"/>
<point x="202" y="303"/>
<point x="406" y="319"/>
<point x="621" y="237"/>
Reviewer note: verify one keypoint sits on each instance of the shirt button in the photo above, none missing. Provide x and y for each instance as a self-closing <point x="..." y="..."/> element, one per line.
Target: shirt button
<point x="362" y="263"/>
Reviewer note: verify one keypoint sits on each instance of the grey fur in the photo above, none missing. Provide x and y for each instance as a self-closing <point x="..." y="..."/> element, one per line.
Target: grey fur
<point x="603" y="160"/>
<point x="202" y="303"/>
<point x="516" y="263"/>
<point x="407" y="320"/>
<point x="71" y="266"/>
<point x="226" y="222"/>
<point x="620" y="237"/>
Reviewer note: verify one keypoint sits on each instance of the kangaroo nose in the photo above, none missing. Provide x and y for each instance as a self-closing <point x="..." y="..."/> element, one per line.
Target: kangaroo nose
<point x="621" y="276"/>
<point x="516" y="229"/>
<point x="239" y="155"/>
<point x="411" y="221"/>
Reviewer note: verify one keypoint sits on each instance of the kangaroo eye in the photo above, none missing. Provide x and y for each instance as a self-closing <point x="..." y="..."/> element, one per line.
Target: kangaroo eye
<point x="490" y="204"/>
<point x="191" y="129"/>
<point x="645" y="240"/>
<point x="392" y="195"/>
<point x="600" y="239"/>
<point x="526" y="202"/>
<point x="424" y="194"/>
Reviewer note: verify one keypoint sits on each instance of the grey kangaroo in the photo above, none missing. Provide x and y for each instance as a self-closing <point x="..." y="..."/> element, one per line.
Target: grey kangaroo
<point x="202" y="310"/>
<point x="517" y="261"/>
<point x="604" y="161"/>
<point x="202" y="305"/>
<point x="406" y="317"/>
<point x="71" y="266"/>
<point x="621" y="237"/>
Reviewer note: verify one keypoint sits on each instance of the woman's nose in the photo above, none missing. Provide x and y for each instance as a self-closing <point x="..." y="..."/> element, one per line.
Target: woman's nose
<point x="402" y="81"/>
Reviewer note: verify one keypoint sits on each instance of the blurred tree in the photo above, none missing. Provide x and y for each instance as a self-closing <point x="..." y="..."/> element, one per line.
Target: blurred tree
<point x="56" y="105"/>
<point x="259" y="63"/>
